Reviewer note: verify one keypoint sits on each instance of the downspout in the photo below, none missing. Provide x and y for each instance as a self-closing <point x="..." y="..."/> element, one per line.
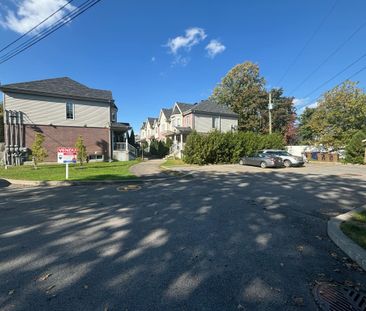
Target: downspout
<point x="110" y="133"/>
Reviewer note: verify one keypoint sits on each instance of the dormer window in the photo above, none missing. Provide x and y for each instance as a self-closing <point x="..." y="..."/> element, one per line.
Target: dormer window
<point x="70" y="111"/>
<point x="114" y="117"/>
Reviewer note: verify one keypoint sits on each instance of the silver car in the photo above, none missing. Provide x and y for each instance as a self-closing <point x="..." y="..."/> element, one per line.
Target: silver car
<point x="263" y="160"/>
<point x="288" y="159"/>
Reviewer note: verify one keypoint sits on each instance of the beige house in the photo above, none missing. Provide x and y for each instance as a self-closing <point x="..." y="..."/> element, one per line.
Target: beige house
<point x="204" y="117"/>
<point x="62" y="109"/>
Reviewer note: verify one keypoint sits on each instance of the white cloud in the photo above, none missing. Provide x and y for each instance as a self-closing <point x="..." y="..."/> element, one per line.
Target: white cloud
<point x="215" y="47"/>
<point x="28" y="13"/>
<point x="302" y="103"/>
<point x="193" y="36"/>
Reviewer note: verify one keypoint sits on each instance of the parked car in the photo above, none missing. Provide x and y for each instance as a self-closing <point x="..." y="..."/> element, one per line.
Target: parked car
<point x="288" y="159"/>
<point x="263" y="160"/>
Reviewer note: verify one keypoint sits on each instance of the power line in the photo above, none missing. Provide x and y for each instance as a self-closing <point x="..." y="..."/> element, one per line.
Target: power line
<point x="337" y="74"/>
<point x="48" y="31"/>
<point x="36" y="26"/>
<point x="329" y="57"/>
<point x="308" y="42"/>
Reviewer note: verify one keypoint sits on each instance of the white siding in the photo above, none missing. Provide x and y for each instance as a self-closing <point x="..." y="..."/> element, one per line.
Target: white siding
<point x="42" y="110"/>
<point x="203" y="123"/>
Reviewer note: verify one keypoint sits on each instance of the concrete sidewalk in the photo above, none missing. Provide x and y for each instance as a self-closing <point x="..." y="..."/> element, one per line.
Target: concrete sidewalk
<point x="150" y="168"/>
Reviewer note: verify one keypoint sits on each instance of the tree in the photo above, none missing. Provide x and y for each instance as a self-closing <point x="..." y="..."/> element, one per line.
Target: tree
<point x="243" y="90"/>
<point x="355" y="149"/>
<point x="2" y="138"/>
<point x="131" y="139"/>
<point x="82" y="154"/>
<point x="39" y="153"/>
<point x="305" y="131"/>
<point x="341" y="112"/>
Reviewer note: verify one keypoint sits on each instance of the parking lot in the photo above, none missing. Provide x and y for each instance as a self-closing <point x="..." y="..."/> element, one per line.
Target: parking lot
<point x="225" y="237"/>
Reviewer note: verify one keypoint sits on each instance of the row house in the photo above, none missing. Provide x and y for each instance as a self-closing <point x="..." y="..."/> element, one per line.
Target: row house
<point x="62" y="109"/>
<point x="179" y="121"/>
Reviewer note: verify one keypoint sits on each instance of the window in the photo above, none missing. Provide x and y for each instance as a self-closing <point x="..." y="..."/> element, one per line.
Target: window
<point x="114" y="117"/>
<point x="70" y="111"/>
<point x="215" y="122"/>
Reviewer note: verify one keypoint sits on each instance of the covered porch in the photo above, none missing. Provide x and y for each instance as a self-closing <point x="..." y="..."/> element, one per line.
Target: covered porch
<point x="179" y="137"/>
<point x="121" y="149"/>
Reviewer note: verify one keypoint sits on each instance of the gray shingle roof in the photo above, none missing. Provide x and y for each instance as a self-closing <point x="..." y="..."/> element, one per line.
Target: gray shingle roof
<point x="184" y="106"/>
<point x="151" y="121"/>
<point x="167" y="112"/>
<point x="64" y="87"/>
<point x="212" y="108"/>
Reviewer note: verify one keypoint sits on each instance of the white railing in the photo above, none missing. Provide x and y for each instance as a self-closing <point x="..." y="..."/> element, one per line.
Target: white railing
<point x="123" y="146"/>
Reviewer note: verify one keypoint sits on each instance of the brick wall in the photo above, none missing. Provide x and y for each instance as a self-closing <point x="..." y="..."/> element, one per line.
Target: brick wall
<point x="95" y="139"/>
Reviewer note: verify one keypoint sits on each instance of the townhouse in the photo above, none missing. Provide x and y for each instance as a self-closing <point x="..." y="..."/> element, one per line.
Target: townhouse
<point x="177" y="122"/>
<point x="62" y="109"/>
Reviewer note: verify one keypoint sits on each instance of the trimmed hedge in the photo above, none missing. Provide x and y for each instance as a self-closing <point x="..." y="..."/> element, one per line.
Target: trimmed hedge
<point x="216" y="147"/>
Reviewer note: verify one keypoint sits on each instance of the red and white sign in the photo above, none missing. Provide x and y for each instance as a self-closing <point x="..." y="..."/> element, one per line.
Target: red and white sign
<point x="66" y="155"/>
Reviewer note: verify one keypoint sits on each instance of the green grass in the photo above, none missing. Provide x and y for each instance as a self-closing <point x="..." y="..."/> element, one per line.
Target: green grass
<point x="356" y="228"/>
<point x="173" y="162"/>
<point x="90" y="171"/>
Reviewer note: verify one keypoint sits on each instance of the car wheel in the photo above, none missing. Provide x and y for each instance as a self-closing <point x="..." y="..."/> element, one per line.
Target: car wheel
<point x="263" y="164"/>
<point x="287" y="163"/>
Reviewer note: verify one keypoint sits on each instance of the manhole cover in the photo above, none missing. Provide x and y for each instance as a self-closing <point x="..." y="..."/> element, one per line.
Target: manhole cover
<point x="126" y="188"/>
<point x="337" y="297"/>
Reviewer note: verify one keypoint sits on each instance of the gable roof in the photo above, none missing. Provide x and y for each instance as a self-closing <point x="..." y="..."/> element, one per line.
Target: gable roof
<point x="208" y="106"/>
<point x="181" y="107"/>
<point x="167" y="112"/>
<point x="151" y="121"/>
<point x="143" y="125"/>
<point x="63" y="87"/>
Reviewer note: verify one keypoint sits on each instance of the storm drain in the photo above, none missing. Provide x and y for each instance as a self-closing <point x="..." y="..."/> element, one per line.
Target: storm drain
<point x="337" y="297"/>
<point x="126" y="188"/>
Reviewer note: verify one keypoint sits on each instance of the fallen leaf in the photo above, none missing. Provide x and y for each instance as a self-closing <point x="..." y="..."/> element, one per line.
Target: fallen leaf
<point x="11" y="292"/>
<point x="50" y="288"/>
<point x="86" y="286"/>
<point x="45" y="277"/>
<point x="348" y="283"/>
<point x="337" y="270"/>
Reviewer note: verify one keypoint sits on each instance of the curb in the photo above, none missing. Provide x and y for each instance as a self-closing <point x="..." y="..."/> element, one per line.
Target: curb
<point x="354" y="251"/>
<point x="68" y="183"/>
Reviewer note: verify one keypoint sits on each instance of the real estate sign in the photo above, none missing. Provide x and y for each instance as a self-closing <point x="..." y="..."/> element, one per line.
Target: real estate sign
<point x="66" y="155"/>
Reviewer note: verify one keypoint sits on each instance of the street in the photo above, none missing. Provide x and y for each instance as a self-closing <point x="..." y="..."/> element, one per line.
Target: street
<point x="214" y="240"/>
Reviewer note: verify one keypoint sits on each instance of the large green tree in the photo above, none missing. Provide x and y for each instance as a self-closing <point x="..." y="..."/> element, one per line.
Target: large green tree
<point x="1" y="122"/>
<point x="341" y="112"/>
<point x="243" y="90"/>
<point x="305" y="132"/>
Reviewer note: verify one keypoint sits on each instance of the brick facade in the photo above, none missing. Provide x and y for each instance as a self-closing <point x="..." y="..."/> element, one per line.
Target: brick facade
<point x="95" y="139"/>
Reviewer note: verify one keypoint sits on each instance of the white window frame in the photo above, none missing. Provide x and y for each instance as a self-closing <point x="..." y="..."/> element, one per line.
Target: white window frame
<point x="73" y="110"/>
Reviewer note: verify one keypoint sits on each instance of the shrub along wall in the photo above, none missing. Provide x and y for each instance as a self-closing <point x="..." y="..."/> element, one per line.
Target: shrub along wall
<point x="217" y="147"/>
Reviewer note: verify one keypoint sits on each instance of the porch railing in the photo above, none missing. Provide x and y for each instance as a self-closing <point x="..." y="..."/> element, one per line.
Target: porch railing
<point x="123" y="146"/>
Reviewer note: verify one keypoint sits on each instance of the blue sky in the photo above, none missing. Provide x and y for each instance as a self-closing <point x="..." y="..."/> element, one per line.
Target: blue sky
<point x="154" y="53"/>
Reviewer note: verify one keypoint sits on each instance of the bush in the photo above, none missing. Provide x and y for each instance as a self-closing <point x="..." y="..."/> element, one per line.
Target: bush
<point x="355" y="149"/>
<point x="39" y="153"/>
<point x="159" y="148"/>
<point x="216" y="147"/>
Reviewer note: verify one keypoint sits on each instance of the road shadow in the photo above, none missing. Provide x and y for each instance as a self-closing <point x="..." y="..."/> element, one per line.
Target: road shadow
<point x="4" y="183"/>
<point x="215" y="241"/>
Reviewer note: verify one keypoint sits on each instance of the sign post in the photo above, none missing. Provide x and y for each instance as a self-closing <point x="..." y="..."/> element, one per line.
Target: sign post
<point x="66" y="156"/>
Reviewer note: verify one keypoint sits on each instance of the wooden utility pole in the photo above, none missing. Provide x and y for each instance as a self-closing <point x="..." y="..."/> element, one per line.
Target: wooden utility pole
<point x="270" y="112"/>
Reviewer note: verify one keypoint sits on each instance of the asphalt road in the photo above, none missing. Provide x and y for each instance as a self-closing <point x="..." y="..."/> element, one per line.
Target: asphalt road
<point x="252" y="240"/>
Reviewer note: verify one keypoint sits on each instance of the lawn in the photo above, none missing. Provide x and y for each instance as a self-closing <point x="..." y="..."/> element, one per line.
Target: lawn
<point x="173" y="162"/>
<point x="356" y="228"/>
<point x="90" y="171"/>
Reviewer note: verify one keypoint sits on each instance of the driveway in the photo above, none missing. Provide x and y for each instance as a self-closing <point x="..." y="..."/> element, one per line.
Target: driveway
<point x="249" y="240"/>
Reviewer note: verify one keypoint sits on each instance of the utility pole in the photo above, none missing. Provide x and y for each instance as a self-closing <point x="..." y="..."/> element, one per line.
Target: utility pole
<point x="270" y="106"/>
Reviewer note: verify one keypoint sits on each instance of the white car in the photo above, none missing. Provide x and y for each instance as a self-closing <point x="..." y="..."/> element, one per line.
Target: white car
<point x="288" y="159"/>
